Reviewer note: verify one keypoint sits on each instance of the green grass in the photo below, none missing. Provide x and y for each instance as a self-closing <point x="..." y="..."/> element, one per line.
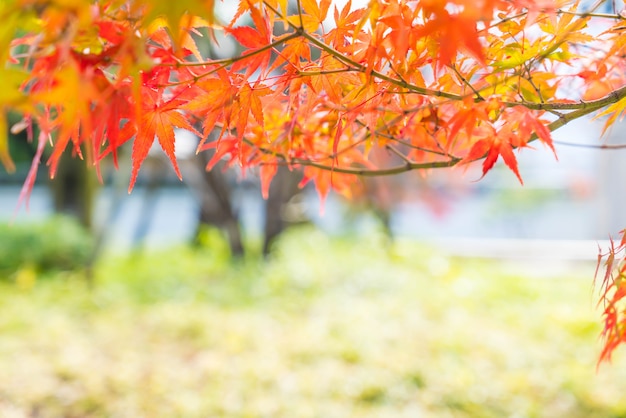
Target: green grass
<point x="326" y="328"/>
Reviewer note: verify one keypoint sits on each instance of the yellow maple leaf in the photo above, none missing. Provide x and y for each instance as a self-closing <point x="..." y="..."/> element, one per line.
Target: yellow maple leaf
<point x="10" y="97"/>
<point x="174" y="11"/>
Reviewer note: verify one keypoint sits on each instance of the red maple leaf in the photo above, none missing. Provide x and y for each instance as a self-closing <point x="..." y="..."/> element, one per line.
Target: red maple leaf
<point x="490" y="149"/>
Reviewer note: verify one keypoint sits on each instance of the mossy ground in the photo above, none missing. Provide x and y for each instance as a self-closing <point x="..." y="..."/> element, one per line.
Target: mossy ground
<point x="327" y="327"/>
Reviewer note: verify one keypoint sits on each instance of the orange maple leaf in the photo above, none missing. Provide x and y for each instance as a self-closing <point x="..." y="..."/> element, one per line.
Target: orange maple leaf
<point x="157" y="121"/>
<point x="452" y="32"/>
<point x="254" y="39"/>
<point x="318" y="11"/>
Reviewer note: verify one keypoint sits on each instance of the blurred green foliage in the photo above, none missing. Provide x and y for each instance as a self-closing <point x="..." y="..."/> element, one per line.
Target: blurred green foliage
<point x="328" y="327"/>
<point x="59" y="243"/>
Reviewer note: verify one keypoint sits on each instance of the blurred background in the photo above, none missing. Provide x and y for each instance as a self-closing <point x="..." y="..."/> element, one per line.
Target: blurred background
<point x="423" y="296"/>
<point x="577" y="197"/>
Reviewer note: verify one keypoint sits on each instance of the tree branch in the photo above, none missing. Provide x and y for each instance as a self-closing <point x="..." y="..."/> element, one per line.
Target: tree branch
<point x="613" y="97"/>
<point x="592" y="146"/>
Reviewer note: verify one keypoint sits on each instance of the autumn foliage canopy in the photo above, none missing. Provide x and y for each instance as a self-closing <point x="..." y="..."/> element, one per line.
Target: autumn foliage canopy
<point x="319" y="85"/>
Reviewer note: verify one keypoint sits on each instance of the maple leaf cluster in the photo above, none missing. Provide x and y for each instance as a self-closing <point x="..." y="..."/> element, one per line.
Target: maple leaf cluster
<point x="316" y="86"/>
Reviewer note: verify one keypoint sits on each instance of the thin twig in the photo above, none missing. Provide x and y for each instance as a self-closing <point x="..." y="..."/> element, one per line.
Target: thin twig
<point x="467" y="83"/>
<point x="591" y="146"/>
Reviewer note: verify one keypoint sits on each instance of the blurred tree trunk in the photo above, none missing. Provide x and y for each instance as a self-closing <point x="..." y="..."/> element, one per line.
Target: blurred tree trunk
<point x="283" y="188"/>
<point x="377" y="196"/>
<point x="216" y="205"/>
<point x="215" y="196"/>
<point x="74" y="189"/>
